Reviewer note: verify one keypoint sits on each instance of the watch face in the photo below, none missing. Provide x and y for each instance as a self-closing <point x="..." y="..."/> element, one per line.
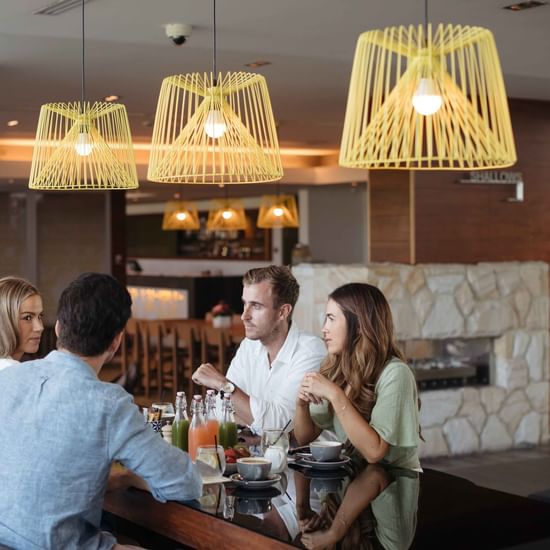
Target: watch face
<point x="228" y="387"/>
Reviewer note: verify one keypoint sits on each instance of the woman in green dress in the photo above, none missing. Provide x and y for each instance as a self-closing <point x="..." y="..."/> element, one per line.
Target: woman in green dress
<point x="365" y="393"/>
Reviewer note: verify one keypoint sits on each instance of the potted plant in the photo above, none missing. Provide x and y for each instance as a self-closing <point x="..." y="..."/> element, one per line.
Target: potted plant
<point x="221" y="315"/>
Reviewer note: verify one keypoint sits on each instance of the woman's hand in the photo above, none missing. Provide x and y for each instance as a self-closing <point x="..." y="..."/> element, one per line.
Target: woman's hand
<point x="317" y="388"/>
<point x="304" y="397"/>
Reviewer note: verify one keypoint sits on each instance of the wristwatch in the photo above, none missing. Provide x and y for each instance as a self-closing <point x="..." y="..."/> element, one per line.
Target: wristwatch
<point x="228" y="387"/>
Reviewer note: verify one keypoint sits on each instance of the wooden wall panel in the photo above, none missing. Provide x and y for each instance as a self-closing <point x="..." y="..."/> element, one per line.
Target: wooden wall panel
<point x="473" y="223"/>
<point x="390" y="216"/>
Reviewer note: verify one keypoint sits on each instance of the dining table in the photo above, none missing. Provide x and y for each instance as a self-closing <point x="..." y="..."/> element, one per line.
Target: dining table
<point x="356" y="506"/>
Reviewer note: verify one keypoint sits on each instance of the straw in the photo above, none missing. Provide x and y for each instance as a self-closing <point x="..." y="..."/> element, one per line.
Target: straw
<point x="216" y="451"/>
<point x="282" y="432"/>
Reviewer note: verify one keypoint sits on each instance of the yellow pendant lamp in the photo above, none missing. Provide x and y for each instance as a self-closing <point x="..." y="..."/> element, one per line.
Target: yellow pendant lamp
<point x="226" y="215"/>
<point x="278" y="211"/>
<point x="214" y="128"/>
<point x="83" y="146"/>
<point x="425" y="98"/>
<point x="180" y="215"/>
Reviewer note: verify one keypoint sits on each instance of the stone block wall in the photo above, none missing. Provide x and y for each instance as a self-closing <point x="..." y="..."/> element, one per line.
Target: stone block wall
<point x="507" y="301"/>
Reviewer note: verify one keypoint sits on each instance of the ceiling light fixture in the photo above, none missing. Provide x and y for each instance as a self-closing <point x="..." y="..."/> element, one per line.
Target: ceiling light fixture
<point x="256" y="64"/>
<point x="278" y="211"/>
<point x="421" y="98"/>
<point x="12" y="123"/>
<point x="180" y="215"/>
<point x="226" y="215"/>
<point x="111" y="98"/>
<point x="214" y="128"/>
<point x="520" y="6"/>
<point x="83" y="146"/>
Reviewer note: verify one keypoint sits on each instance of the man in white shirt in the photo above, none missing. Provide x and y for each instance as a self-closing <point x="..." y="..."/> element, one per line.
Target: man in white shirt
<point x="265" y="374"/>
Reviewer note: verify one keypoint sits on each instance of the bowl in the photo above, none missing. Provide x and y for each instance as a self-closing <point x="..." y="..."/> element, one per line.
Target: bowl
<point x="325" y="451"/>
<point x="253" y="468"/>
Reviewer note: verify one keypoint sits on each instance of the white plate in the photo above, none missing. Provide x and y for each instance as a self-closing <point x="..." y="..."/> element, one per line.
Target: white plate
<point x="240" y="482"/>
<point x="328" y="465"/>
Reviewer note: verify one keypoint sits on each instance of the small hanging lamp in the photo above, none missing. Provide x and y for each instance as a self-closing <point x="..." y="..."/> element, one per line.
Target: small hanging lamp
<point x="424" y="98"/>
<point x="214" y="128"/>
<point x="180" y="215"/>
<point x="226" y="215"/>
<point x="278" y="211"/>
<point x="83" y="146"/>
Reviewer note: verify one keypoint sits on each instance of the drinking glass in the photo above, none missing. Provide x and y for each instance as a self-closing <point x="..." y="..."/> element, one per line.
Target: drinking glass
<point x="207" y="454"/>
<point x="275" y="446"/>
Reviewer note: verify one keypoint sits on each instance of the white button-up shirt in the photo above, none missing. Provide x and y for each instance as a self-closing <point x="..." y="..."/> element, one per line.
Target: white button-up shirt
<point x="273" y="390"/>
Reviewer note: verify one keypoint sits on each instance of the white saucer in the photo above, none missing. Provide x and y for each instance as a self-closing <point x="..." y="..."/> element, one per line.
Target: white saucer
<point x="328" y="465"/>
<point x="241" y="482"/>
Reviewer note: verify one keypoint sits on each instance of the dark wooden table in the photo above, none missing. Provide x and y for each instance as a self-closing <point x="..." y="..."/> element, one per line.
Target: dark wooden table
<point x="447" y="512"/>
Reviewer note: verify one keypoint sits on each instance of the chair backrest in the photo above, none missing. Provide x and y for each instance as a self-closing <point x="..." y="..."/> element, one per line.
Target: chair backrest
<point x="215" y="342"/>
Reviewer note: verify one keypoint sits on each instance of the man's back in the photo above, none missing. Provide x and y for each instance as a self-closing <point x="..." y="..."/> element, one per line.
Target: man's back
<point x="61" y="429"/>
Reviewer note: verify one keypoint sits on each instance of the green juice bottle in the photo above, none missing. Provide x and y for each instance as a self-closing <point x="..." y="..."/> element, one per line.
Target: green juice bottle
<point x="227" y="433"/>
<point x="180" y="427"/>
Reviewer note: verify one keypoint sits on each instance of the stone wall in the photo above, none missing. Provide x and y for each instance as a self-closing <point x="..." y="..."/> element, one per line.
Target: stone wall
<point x="507" y="301"/>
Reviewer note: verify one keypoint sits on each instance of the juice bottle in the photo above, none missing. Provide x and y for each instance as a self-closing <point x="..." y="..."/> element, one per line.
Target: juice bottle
<point x="198" y="433"/>
<point x="212" y="423"/>
<point x="180" y="427"/>
<point x="227" y="434"/>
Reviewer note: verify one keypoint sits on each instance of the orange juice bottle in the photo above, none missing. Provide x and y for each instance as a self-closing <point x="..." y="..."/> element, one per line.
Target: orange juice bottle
<point x="212" y="423"/>
<point x="198" y="432"/>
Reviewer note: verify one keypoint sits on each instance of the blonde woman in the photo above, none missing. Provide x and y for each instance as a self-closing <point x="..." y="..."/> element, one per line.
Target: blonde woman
<point x="365" y="393"/>
<point x="20" y="320"/>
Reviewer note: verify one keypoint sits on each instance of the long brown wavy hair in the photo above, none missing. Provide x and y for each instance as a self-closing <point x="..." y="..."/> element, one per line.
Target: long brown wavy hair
<point x="369" y="344"/>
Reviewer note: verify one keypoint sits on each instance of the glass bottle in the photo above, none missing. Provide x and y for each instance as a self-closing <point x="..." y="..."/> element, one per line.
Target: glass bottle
<point x="180" y="427"/>
<point x="198" y="434"/>
<point x="212" y="424"/>
<point x="227" y="435"/>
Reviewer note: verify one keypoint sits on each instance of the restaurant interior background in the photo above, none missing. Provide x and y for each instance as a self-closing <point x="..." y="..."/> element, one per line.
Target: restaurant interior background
<point x="305" y="51"/>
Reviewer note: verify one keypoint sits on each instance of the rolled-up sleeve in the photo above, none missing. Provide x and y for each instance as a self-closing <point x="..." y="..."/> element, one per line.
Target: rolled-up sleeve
<point x="168" y="471"/>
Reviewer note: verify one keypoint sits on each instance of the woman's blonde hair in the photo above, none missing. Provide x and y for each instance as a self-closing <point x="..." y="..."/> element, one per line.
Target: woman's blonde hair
<point x="13" y="292"/>
<point x="369" y="344"/>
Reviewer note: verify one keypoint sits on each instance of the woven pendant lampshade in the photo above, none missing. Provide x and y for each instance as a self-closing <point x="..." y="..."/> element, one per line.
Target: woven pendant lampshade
<point x="83" y="146"/>
<point x="226" y="215"/>
<point x="278" y="211"/>
<point x="182" y="215"/>
<point x="395" y="71"/>
<point x="214" y="130"/>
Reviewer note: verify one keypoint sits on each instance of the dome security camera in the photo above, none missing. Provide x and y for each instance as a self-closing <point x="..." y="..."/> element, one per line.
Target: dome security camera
<point x="178" y="32"/>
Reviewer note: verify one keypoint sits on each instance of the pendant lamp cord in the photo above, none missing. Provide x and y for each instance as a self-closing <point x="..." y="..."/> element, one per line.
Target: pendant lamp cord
<point x="214" y="68"/>
<point x="83" y="89"/>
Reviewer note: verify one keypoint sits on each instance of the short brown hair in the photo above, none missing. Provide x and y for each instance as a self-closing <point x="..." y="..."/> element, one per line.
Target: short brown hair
<point x="285" y="287"/>
<point x="13" y="292"/>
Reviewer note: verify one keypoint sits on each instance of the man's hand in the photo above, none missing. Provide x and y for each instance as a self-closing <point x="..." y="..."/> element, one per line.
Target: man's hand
<point x="207" y="375"/>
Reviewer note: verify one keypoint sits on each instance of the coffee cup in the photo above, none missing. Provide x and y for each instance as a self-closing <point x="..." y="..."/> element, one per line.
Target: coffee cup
<point x="325" y="451"/>
<point x="253" y="468"/>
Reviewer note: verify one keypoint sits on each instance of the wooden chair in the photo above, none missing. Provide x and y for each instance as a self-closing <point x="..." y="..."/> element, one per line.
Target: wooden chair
<point x="155" y="355"/>
<point x="214" y="344"/>
<point x="186" y="347"/>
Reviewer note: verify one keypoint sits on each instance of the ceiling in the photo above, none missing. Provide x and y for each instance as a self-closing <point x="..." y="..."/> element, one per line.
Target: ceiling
<point x="310" y="44"/>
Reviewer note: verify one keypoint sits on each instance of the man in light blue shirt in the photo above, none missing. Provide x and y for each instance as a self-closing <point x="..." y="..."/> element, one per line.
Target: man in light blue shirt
<point x="62" y="429"/>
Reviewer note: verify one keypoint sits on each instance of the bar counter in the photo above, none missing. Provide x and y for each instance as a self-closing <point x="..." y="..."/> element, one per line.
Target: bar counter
<point x="372" y="508"/>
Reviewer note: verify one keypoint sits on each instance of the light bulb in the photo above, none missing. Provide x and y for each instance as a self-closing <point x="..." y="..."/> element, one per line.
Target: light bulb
<point x="181" y="216"/>
<point x="426" y="99"/>
<point x="227" y="214"/>
<point x="278" y="211"/>
<point x="83" y="146"/>
<point x="214" y="125"/>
